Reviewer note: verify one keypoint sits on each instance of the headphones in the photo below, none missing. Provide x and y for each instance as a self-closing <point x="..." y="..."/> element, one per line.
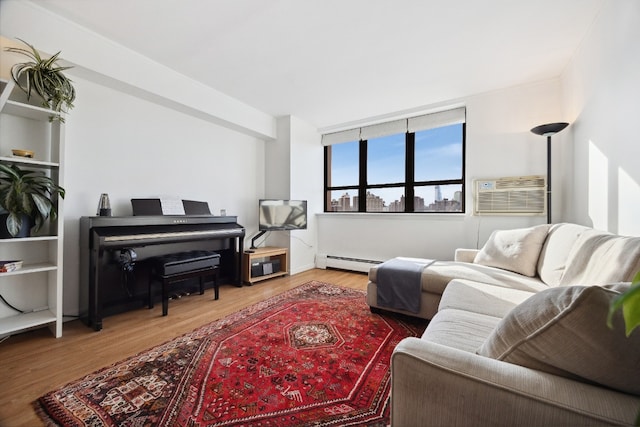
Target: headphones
<point x="128" y="259"/>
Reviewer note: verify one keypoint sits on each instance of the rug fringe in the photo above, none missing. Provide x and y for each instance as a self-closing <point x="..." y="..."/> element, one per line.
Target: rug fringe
<point x="41" y="411"/>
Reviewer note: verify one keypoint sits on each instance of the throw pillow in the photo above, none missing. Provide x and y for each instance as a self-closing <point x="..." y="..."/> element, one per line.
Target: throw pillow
<point x="563" y="331"/>
<point x="514" y="250"/>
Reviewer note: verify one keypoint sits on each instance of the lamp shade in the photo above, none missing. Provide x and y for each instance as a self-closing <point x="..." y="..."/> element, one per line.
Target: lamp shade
<point x="549" y="128"/>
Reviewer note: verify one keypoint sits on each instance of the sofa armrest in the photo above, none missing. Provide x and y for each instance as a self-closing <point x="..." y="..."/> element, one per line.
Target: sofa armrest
<point x="435" y="385"/>
<point x="465" y="255"/>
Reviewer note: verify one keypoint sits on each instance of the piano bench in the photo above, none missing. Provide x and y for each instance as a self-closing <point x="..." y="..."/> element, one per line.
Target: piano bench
<point x="173" y="268"/>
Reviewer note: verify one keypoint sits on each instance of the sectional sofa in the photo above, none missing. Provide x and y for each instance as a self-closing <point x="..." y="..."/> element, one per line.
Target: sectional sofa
<point x="518" y="332"/>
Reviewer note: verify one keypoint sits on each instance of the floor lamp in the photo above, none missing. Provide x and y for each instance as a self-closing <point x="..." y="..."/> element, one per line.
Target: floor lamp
<point x="548" y="130"/>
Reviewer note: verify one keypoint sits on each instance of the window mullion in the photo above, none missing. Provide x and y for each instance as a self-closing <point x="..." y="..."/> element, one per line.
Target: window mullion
<point x="327" y="177"/>
<point x="362" y="188"/>
<point x="464" y="165"/>
<point x="410" y="161"/>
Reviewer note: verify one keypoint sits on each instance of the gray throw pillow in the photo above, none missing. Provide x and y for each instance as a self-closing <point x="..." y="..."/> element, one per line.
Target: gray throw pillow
<point x="563" y="331"/>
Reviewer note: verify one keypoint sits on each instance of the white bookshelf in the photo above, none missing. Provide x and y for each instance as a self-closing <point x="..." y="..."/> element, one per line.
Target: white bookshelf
<point x="36" y="288"/>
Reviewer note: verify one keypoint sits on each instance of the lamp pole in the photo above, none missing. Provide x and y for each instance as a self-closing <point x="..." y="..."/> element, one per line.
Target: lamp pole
<point x="548" y="179"/>
<point x="548" y="130"/>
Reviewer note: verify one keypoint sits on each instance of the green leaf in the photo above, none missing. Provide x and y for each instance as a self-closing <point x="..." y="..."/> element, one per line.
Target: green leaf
<point x="43" y="204"/>
<point x="45" y="78"/>
<point x="14" y="223"/>
<point x="631" y="310"/>
<point x="629" y="303"/>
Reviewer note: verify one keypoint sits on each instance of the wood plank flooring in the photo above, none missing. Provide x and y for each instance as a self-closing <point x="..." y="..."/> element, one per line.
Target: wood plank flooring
<point x="34" y="363"/>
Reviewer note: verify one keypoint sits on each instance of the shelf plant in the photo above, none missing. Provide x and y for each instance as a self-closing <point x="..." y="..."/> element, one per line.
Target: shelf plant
<point x="27" y="193"/>
<point x="44" y="77"/>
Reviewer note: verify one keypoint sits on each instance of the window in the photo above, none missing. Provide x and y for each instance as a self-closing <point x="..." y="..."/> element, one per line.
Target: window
<point x="409" y="165"/>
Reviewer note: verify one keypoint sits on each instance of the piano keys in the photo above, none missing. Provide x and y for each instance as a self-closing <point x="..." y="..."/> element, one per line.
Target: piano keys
<point x="107" y="288"/>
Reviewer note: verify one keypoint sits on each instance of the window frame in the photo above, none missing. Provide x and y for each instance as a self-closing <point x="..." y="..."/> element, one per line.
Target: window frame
<point x="409" y="183"/>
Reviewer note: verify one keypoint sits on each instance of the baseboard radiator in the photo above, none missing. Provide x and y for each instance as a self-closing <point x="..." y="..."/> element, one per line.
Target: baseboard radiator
<point x="325" y="261"/>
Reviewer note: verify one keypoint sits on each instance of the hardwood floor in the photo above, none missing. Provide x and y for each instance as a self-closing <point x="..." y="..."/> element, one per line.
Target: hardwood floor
<point x="34" y="363"/>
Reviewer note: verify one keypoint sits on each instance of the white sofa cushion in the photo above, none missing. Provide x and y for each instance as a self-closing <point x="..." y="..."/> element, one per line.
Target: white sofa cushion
<point x="563" y="331"/>
<point x="481" y="298"/>
<point x="599" y="257"/>
<point x="460" y="329"/>
<point x="437" y="276"/>
<point x="555" y="251"/>
<point x="514" y="250"/>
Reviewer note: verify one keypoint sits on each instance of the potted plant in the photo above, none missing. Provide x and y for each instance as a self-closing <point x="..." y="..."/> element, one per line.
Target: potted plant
<point x="27" y="197"/>
<point x="45" y="77"/>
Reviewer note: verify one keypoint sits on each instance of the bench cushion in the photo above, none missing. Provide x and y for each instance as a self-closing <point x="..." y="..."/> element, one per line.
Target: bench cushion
<point x="182" y="262"/>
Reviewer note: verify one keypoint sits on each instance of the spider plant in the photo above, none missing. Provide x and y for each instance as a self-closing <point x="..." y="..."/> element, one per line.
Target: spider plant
<point x="27" y="192"/>
<point x="45" y="78"/>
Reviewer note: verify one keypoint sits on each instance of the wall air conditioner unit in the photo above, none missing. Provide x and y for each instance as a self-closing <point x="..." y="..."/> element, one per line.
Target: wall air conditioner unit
<point x="517" y="195"/>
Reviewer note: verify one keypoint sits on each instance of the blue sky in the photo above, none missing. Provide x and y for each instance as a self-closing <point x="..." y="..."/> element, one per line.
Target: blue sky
<point x="438" y="156"/>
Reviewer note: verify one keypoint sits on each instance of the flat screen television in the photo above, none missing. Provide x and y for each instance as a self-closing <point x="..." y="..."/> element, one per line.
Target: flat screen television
<point x="282" y="214"/>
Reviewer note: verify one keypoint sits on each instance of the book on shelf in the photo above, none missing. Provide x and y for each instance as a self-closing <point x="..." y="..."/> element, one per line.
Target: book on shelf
<point x="6" y="266"/>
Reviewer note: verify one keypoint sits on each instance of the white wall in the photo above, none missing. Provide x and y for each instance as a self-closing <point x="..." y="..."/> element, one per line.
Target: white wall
<point x="499" y="143"/>
<point x="294" y="170"/>
<point x="307" y="177"/>
<point x="131" y="148"/>
<point x="601" y="88"/>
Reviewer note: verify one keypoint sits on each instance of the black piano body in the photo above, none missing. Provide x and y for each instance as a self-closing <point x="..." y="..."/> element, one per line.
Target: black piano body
<point x="111" y="282"/>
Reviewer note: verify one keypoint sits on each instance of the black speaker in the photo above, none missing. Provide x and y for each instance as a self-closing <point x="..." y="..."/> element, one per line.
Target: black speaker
<point x="264" y="268"/>
<point x="256" y="269"/>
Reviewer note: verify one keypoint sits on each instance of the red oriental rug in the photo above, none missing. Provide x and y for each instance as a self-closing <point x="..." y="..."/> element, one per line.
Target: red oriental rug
<point x="312" y="356"/>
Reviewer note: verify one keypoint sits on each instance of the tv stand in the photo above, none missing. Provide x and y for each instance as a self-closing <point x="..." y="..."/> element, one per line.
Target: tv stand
<point x="265" y="263"/>
<point x="257" y="236"/>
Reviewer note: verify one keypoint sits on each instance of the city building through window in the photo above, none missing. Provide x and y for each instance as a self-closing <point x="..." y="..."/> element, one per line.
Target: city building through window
<point x="410" y="165"/>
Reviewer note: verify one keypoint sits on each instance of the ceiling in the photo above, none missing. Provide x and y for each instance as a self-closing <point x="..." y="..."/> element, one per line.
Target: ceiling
<point x="331" y="62"/>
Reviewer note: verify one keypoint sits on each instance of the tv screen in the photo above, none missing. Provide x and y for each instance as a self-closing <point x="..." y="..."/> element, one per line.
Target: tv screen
<point x="282" y="214"/>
